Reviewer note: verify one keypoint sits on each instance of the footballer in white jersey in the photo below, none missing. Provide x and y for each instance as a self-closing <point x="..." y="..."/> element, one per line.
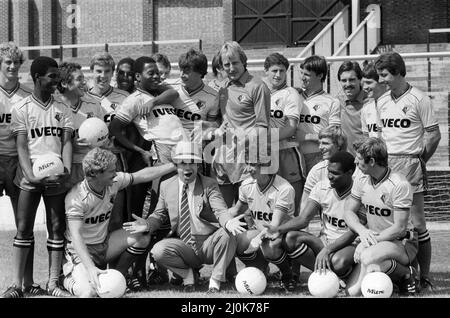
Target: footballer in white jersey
<point x="278" y="194"/>
<point x="370" y="119"/>
<point x="44" y="124"/>
<point x="160" y="125"/>
<point x="405" y="119"/>
<point x="109" y="100"/>
<point x="93" y="208"/>
<point x="381" y="199"/>
<point x="7" y="100"/>
<point x="319" y="111"/>
<point x="199" y="105"/>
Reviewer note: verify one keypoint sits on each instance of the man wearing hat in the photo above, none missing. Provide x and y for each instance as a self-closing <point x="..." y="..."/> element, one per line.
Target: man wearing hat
<point x="202" y="230"/>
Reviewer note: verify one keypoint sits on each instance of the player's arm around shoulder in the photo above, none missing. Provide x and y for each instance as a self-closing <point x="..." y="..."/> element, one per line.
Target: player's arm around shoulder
<point x="151" y="173"/>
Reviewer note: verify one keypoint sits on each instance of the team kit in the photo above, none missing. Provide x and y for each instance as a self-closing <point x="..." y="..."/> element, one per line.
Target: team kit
<point x="146" y="177"/>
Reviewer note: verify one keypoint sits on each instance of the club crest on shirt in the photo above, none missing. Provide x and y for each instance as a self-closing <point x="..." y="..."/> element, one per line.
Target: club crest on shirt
<point x="111" y="199"/>
<point x="269" y="204"/>
<point x="58" y="116"/>
<point x="89" y="114"/>
<point x="384" y="198"/>
<point x="316" y="107"/>
<point x="277" y="102"/>
<point x="113" y="106"/>
<point x="405" y="109"/>
<point x="200" y="104"/>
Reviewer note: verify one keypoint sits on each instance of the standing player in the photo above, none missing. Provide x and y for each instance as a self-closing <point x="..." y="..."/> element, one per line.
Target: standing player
<point x="388" y="240"/>
<point x="219" y="74"/>
<point x="72" y="89"/>
<point x="11" y="92"/>
<point x="370" y="118"/>
<point x="42" y="125"/>
<point x="333" y="248"/>
<point x="319" y="111"/>
<point x="246" y="112"/>
<point x="349" y="76"/>
<point x="102" y="66"/>
<point x="285" y="108"/>
<point x="125" y="75"/>
<point x="198" y="104"/>
<point x="411" y="132"/>
<point x="90" y="245"/>
<point x="270" y="200"/>
<point x="163" y="64"/>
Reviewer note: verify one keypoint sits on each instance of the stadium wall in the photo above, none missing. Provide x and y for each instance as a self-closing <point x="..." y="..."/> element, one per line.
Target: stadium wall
<point x="408" y="21"/>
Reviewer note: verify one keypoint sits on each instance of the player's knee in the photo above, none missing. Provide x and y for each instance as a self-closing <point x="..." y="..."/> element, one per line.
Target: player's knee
<point x="158" y="251"/>
<point x="340" y="264"/>
<point x="367" y="257"/>
<point x="226" y="239"/>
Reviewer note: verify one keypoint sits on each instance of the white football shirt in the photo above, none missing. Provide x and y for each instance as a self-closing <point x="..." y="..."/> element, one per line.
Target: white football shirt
<point x="320" y="110"/>
<point x="370" y="119"/>
<point x="161" y="124"/>
<point x="44" y="124"/>
<point x="285" y="103"/>
<point x="199" y="105"/>
<point x="93" y="208"/>
<point x="380" y="200"/>
<point x="7" y="100"/>
<point x="278" y="194"/>
<point x="404" y="121"/>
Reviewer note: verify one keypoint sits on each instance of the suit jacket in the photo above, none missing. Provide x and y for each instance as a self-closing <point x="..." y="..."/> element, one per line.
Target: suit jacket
<point x="209" y="205"/>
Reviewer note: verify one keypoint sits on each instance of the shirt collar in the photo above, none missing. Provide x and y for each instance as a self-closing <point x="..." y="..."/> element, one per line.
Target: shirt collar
<point x="245" y="78"/>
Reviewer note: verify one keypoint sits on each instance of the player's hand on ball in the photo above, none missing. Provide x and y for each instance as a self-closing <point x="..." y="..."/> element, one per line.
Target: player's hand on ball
<point x="236" y="225"/>
<point x="323" y="260"/>
<point x="138" y="226"/>
<point x="93" y="276"/>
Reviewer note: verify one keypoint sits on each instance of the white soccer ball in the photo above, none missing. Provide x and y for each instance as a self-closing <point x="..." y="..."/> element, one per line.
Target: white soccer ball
<point x="112" y="284"/>
<point x="323" y="285"/>
<point x="47" y="165"/>
<point x="376" y="285"/>
<point x="94" y="131"/>
<point x="251" y="281"/>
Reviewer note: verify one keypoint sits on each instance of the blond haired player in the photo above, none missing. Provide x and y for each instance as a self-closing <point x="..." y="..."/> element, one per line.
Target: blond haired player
<point x="319" y="111"/>
<point x="388" y="240"/>
<point x="285" y="108"/>
<point x="42" y="125"/>
<point x="411" y="132"/>
<point x="90" y="246"/>
<point x="11" y="92"/>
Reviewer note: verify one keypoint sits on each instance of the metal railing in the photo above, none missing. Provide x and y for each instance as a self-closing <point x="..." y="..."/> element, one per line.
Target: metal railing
<point x="430" y="32"/>
<point x="106" y="46"/>
<point x="342" y="20"/>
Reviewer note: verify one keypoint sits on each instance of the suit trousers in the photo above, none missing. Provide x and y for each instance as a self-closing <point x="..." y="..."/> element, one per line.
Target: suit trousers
<point x="218" y="249"/>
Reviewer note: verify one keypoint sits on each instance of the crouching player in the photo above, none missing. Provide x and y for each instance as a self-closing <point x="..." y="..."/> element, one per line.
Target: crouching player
<point x="388" y="242"/>
<point x="89" y="245"/>
<point x="271" y="200"/>
<point x="334" y="247"/>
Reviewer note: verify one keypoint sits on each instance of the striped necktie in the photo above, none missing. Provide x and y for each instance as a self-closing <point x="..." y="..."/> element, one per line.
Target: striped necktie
<point x="185" y="218"/>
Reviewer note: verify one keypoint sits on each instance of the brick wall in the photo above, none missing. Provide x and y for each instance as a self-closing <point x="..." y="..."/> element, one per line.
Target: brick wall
<point x="194" y="19"/>
<point x="402" y="26"/>
<point x="4" y="21"/>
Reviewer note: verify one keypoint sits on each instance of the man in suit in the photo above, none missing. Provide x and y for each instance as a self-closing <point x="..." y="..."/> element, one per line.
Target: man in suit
<point x="202" y="230"/>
